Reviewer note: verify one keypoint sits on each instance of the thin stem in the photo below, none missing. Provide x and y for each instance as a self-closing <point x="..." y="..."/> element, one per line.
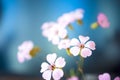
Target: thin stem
<point x="80" y="67"/>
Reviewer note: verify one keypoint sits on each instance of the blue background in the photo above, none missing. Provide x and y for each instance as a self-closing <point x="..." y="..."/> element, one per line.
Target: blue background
<point x="21" y="20"/>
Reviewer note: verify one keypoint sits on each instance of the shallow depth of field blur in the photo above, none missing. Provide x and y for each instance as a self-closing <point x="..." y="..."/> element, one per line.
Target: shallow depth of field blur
<point x="21" y="20"/>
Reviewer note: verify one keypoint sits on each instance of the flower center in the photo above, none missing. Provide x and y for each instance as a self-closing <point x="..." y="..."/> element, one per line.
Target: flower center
<point x="52" y="67"/>
<point x="82" y="46"/>
<point x="56" y="32"/>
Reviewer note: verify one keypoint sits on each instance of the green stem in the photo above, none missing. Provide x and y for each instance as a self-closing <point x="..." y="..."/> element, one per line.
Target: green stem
<point x="80" y="67"/>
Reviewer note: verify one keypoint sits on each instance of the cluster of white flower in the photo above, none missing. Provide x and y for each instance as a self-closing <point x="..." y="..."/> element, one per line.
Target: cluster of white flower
<point x="56" y="31"/>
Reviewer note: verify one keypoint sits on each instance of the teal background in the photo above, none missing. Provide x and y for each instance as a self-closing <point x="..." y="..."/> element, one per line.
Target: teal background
<point x="21" y="20"/>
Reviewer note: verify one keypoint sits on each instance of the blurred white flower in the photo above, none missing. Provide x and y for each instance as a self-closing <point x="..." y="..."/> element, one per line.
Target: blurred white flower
<point x="64" y="44"/>
<point x="83" y="47"/>
<point x="54" y="32"/>
<point x="78" y="14"/>
<point x="24" y="51"/>
<point x="46" y="27"/>
<point x="70" y="17"/>
<point x="54" y="68"/>
<point x="66" y="19"/>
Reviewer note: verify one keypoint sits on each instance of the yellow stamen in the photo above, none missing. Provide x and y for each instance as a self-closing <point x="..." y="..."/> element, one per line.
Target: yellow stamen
<point x="68" y="51"/>
<point x="70" y="26"/>
<point x="94" y="25"/>
<point x="80" y="22"/>
<point x="34" y="51"/>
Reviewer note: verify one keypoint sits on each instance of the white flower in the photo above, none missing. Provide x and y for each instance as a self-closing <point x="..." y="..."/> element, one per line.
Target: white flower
<point x="78" y="14"/>
<point x="64" y="44"/>
<point x="56" y="33"/>
<point x="24" y="50"/>
<point x="66" y="19"/>
<point x="83" y="47"/>
<point x="46" y="27"/>
<point x="70" y="17"/>
<point x="54" y="68"/>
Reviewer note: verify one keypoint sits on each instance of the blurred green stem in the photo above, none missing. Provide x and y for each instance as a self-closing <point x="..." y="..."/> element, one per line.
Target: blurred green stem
<point x="80" y="67"/>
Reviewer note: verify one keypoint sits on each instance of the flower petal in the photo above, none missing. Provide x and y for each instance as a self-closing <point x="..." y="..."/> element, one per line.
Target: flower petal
<point x="74" y="42"/>
<point x="55" y="40"/>
<point x="83" y="39"/>
<point x="47" y="75"/>
<point x="51" y="58"/>
<point x="60" y="62"/>
<point x="105" y="76"/>
<point x="85" y="52"/>
<point x="117" y="78"/>
<point x="90" y="44"/>
<point x="64" y="44"/>
<point x="62" y="33"/>
<point x="75" y="50"/>
<point x="20" y="57"/>
<point x="57" y="74"/>
<point x="44" y="67"/>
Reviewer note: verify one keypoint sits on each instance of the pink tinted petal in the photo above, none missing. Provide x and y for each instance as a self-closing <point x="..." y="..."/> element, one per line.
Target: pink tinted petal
<point x="85" y="52"/>
<point x="74" y="51"/>
<point x="27" y="56"/>
<point x="117" y="78"/>
<point x="55" y="40"/>
<point x="45" y="33"/>
<point x="103" y="21"/>
<point x="60" y="62"/>
<point x="83" y="39"/>
<point x="64" y="44"/>
<point x="20" y="58"/>
<point x="104" y="24"/>
<point x="79" y="14"/>
<point x="44" y="26"/>
<point x="74" y="42"/>
<point x="62" y="33"/>
<point x="105" y="76"/>
<point x="44" y="67"/>
<point x="90" y="45"/>
<point x="47" y="75"/>
<point x="51" y="58"/>
<point x="57" y="74"/>
<point x="26" y="45"/>
<point x="101" y="17"/>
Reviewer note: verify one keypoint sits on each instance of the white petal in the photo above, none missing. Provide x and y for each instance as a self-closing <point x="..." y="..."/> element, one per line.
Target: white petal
<point x="57" y="74"/>
<point x="60" y="62"/>
<point x="27" y="56"/>
<point x="55" y="40"/>
<point x="47" y="75"/>
<point x="90" y="45"/>
<point x="74" y="42"/>
<point x="51" y="58"/>
<point x="26" y="45"/>
<point x="62" y="33"/>
<point x="44" y="67"/>
<point x="75" y="50"/>
<point x="20" y="58"/>
<point x="85" y="52"/>
<point x="64" y="44"/>
<point x="83" y="39"/>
